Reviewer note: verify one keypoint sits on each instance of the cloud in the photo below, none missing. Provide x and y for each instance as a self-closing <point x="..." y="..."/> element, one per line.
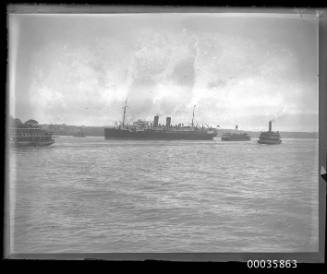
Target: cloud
<point x="82" y="71"/>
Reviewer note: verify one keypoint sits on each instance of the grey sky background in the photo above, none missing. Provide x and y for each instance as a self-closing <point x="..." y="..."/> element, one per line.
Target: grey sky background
<point x="237" y="69"/>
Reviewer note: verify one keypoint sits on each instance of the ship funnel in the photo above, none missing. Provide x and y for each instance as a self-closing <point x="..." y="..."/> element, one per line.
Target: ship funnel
<point x="168" y="120"/>
<point x="156" y="121"/>
<point x="270" y="122"/>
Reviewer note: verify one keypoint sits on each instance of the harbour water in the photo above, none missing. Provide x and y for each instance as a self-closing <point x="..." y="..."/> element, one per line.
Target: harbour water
<point x="92" y="195"/>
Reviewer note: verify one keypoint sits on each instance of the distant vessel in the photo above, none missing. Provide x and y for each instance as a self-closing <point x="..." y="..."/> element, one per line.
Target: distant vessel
<point x="143" y="130"/>
<point x="235" y="136"/>
<point x="79" y="133"/>
<point x="29" y="134"/>
<point x="269" y="137"/>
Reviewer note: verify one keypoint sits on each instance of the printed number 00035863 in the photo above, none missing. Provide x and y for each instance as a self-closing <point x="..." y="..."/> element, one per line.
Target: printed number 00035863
<point x="271" y="263"/>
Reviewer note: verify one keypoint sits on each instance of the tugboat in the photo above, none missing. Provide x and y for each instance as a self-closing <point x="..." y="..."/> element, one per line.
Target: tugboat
<point x="29" y="134"/>
<point x="235" y="136"/>
<point x="142" y="130"/>
<point x="270" y="137"/>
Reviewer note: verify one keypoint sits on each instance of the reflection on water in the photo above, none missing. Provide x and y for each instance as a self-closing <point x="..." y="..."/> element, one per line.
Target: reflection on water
<point x="92" y="195"/>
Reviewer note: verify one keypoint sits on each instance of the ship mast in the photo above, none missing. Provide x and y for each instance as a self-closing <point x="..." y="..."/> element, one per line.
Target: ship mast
<point x="124" y="113"/>
<point x="193" y="115"/>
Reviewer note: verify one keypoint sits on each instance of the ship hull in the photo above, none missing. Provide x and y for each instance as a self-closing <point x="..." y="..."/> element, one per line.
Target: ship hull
<point x="31" y="143"/>
<point x="114" y="133"/>
<point x="235" y="139"/>
<point x="269" y="138"/>
<point x="270" y="142"/>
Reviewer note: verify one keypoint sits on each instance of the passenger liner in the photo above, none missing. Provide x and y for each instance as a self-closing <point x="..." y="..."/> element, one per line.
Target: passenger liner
<point x="142" y="130"/>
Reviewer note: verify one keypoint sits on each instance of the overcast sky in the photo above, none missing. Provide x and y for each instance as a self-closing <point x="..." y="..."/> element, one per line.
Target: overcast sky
<point x="237" y="69"/>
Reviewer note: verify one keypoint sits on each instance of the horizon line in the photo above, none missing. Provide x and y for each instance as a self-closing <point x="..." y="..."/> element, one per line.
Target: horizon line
<point x="218" y="128"/>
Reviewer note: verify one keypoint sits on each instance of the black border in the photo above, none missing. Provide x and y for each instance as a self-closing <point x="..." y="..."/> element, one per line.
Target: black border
<point x="322" y="139"/>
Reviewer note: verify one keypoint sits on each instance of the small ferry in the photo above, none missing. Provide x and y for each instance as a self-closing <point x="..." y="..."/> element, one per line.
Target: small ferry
<point x="270" y="137"/>
<point x="235" y="136"/>
<point x="29" y="134"/>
